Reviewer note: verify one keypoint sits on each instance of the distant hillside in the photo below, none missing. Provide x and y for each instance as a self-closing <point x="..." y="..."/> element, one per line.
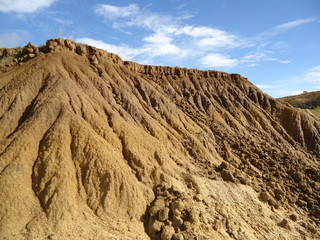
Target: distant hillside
<point x="309" y="100"/>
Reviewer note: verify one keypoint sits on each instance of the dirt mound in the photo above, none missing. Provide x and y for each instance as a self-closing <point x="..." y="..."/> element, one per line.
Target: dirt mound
<point x="93" y="147"/>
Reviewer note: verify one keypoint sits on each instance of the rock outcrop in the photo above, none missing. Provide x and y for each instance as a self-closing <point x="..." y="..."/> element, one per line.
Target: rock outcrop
<point x="93" y="147"/>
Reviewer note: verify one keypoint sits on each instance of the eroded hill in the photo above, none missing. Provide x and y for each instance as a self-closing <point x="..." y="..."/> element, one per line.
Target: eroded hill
<point x="93" y="147"/>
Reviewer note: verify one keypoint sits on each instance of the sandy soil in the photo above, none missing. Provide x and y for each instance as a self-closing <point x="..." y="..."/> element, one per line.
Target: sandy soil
<point x="92" y="147"/>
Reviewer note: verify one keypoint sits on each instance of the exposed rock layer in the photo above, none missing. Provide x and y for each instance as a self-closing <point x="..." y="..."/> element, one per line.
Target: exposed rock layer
<point x="95" y="147"/>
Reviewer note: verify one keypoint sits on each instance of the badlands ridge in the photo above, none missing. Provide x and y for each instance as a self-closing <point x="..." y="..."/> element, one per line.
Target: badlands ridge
<point x="93" y="147"/>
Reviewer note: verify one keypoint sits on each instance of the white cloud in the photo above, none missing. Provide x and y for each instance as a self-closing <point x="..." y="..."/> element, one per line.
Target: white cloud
<point x="15" y="39"/>
<point x="23" y="6"/>
<point x="280" y="46"/>
<point x="155" y="45"/>
<point x="200" y="31"/>
<point x="283" y="91"/>
<point x="147" y="20"/>
<point x="296" y="84"/>
<point x="284" y="27"/>
<point x="314" y="74"/>
<point x="251" y="65"/>
<point x="291" y="92"/>
<point x="132" y="15"/>
<point x="167" y="35"/>
<point x="124" y="51"/>
<point x="253" y="57"/>
<point x="218" y="60"/>
<point x="261" y="86"/>
<point x="260" y="56"/>
<point x="186" y="16"/>
<point x="289" y="25"/>
<point x="218" y="41"/>
<point x="158" y="38"/>
<point x="63" y="21"/>
<point x="159" y="44"/>
<point x="113" y="12"/>
<point x="210" y="37"/>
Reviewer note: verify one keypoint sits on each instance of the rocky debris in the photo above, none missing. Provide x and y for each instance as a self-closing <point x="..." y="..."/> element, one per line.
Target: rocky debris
<point x="227" y="176"/>
<point x="285" y="224"/>
<point x="293" y="217"/>
<point x="167" y="232"/>
<point x="264" y="196"/>
<point x="177" y="236"/>
<point x="14" y="56"/>
<point x="28" y="52"/>
<point x="170" y="215"/>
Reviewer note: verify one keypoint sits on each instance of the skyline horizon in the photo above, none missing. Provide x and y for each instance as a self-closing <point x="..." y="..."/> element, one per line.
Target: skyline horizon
<point x="276" y="52"/>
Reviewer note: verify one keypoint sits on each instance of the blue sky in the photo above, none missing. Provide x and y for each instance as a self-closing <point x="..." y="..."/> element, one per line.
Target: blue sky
<point x="275" y="44"/>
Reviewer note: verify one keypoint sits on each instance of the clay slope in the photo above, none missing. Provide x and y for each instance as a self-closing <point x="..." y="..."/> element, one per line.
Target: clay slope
<point x="92" y="147"/>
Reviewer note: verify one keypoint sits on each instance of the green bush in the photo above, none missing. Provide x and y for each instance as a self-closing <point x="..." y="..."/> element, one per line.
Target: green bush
<point x="9" y="54"/>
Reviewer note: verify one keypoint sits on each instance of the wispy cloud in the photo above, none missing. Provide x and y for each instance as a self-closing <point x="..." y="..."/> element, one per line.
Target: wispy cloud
<point x="114" y="12"/>
<point x="181" y="6"/>
<point x="63" y="21"/>
<point x="218" y="60"/>
<point x="14" y="39"/>
<point x="296" y="84"/>
<point x="210" y="37"/>
<point x="285" y="27"/>
<point x="283" y="90"/>
<point x="291" y="92"/>
<point x="293" y="24"/>
<point x="261" y="86"/>
<point x="313" y="75"/>
<point x="133" y="16"/>
<point x="258" y="56"/>
<point x="160" y="44"/>
<point x="166" y="35"/>
<point x="124" y="51"/>
<point x="23" y="6"/>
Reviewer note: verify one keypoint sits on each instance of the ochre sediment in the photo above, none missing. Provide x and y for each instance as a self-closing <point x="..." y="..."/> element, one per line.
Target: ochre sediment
<point x="93" y="147"/>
